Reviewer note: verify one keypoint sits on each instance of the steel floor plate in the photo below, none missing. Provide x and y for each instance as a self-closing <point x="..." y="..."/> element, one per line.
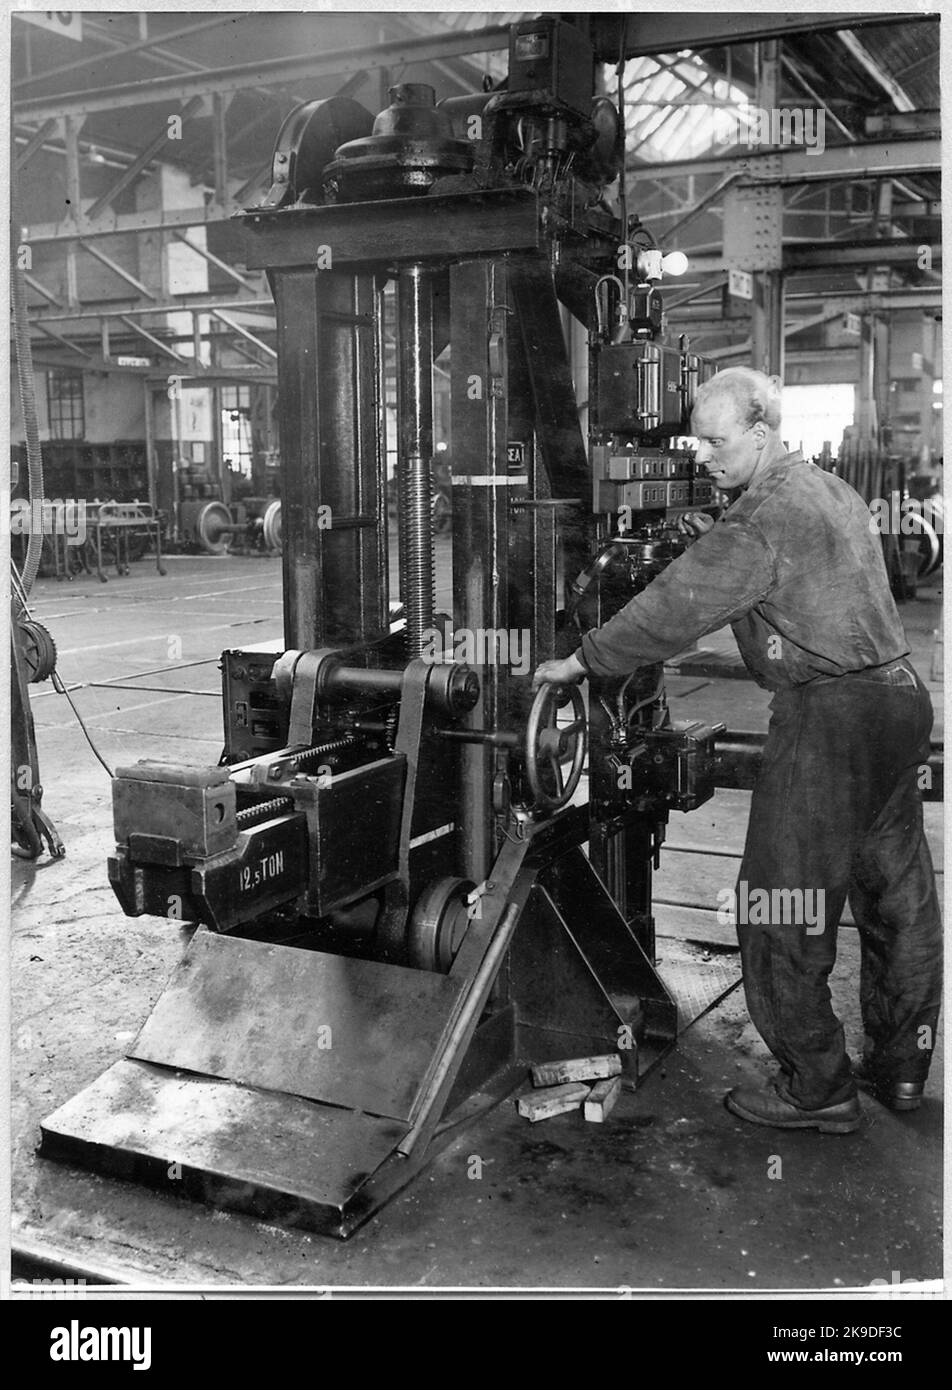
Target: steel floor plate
<point x="697" y="979"/>
<point x="352" y="1033"/>
<point x="275" y="1156"/>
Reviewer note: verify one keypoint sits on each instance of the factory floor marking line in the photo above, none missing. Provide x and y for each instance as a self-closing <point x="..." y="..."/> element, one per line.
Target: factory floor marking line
<point x="140" y="641"/>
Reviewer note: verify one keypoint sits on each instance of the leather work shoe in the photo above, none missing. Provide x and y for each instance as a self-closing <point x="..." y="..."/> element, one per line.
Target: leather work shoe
<point x="895" y="1095"/>
<point x="765" y="1106"/>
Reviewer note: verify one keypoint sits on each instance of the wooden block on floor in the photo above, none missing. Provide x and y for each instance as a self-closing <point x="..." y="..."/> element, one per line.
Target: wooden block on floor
<point x="601" y="1099"/>
<point x="557" y="1100"/>
<point x="576" y="1069"/>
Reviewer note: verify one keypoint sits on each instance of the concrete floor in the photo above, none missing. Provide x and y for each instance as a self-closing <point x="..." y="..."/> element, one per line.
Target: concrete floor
<point x="672" y="1193"/>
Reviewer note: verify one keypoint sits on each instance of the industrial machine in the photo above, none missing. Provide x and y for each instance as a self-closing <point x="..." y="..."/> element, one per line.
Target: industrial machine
<point x="404" y="893"/>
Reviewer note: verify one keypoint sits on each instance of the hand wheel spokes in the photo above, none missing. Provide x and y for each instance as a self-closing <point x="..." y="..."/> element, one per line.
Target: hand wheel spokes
<point x="548" y="744"/>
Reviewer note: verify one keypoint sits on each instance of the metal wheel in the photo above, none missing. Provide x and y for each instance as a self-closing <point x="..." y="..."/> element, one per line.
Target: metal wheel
<point x="930" y="545"/>
<point x="271" y="526"/>
<point x="212" y="528"/>
<point x="549" y="744"/>
<point x="438" y="924"/>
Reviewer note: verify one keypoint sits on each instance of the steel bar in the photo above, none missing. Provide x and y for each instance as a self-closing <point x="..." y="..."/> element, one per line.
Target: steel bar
<point x="886" y="251"/>
<point x="866" y="61"/>
<point x="40" y="288"/>
<point x="182" y="303"/>
<point x="243" y="332"/>
<point x="145" y="158"/>
<point x="863" y="159"/>
<point x="651" y="32"/>
<point x="259" y="179"/>
<point x="463" y="1027"/>
<point x="156" y="342"/>
<point x="125" y="50"/>
<point x="701" y="205"/>
<point x="308" y="66"/>
<point x="71" y="129"/>
<point x="216" y="261"/>
<point x="36" y="141"/>
<point x="58" y="337"/>
<point x="118" y="270"/>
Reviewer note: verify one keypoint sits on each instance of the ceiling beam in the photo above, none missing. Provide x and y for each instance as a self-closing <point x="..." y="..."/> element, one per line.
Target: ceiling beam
<point x="833" y="254"/>
<point x="208" y="375"/>
<point x="214" y="260"/>
<point x="181" y="304"/>
<point x="41" y="289"/>
<point x="869" y="64"/>
<point x="877" y="301"/>
<point x="862" y="160"/>
<point x="140" y="162"/>
<point x="151" y="338"/>
<point x="58" y="337"/>
<point x="650" y="32"/>
<point x="112" y="224"/>
<point x="298" y="67"/>
<point x="36" y="141"/>
<point x="118" y="270"/>
<point x="243" y="332"/>
<point x="125" y="50"/>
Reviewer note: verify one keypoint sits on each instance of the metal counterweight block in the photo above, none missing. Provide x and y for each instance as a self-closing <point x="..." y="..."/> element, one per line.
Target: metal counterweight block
<point x="167" y="814"/>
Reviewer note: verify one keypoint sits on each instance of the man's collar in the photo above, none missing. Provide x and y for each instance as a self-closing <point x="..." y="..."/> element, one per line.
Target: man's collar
<point x="773" y="467"/>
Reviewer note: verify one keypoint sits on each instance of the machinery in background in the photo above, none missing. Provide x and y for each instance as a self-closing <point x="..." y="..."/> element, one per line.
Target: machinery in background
<point x="251" y="526"/>
<point x="403" y="895"/>
<point x="907" y="507"/>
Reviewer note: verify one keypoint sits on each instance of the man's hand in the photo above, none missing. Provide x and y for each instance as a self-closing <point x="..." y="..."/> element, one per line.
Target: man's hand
<point x="695" y="524"/>
<point x="565" y="672"/>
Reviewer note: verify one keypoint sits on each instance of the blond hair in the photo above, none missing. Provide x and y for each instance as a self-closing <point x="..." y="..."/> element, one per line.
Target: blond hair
<point x="755" y="395"/>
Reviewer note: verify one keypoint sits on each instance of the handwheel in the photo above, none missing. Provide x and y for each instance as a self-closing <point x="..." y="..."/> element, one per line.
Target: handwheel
<point x="549" y="743"/>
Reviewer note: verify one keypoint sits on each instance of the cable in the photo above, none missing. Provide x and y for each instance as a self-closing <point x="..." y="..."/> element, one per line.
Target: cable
<point x="60" y="689"/>
<point x="58" y="686"/>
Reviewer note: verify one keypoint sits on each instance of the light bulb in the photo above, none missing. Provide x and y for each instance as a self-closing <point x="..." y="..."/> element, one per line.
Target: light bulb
<point x="674" y="263"/>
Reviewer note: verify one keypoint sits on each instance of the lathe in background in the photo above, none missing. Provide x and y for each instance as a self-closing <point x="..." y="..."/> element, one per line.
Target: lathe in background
<point x="397" y="910"/>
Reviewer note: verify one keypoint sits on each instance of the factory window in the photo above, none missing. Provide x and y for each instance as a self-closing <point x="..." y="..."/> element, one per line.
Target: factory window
<point x="64" y="395"/>
<point x="814" y="415"/>
<point x="236" y="428"/>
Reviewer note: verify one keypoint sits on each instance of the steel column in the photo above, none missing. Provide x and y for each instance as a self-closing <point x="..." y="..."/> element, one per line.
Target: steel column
<point x="333" y="511"/>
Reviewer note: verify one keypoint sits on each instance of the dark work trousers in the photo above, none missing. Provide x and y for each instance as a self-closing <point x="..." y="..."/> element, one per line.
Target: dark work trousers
<point x="837" y="808"/>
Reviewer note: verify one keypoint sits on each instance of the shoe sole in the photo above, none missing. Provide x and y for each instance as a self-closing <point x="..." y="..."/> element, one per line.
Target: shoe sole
<point x="824" y="1126"/>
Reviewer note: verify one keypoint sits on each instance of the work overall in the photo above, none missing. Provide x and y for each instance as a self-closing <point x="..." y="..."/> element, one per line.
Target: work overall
<point x="795" y="566"/>
<point x="838" y="807"/>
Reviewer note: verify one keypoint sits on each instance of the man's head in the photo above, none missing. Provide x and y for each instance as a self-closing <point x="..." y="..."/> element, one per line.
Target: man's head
<point x="736" y="419"/>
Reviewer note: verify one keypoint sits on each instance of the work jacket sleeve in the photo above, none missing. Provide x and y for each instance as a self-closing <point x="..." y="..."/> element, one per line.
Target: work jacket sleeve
<point x="715" y="581"/>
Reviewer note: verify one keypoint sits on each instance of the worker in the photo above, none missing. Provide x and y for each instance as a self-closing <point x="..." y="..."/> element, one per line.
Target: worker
<point x="795" y="568"/>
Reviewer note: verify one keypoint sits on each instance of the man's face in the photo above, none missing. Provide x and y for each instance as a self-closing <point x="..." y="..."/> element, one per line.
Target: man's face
<point x="727" y="448"/>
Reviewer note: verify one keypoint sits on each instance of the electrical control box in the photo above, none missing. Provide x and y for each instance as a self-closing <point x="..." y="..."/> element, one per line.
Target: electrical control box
<point x="552" y="59"/>
<point x="642" y="389"/>
<point x="256" y="721"/>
